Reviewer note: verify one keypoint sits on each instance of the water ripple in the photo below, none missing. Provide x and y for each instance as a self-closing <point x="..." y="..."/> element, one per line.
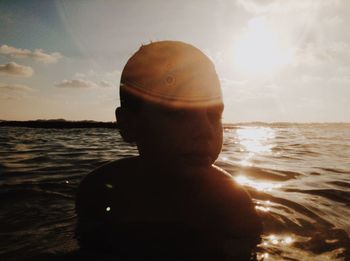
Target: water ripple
<point x="297" y="175"/>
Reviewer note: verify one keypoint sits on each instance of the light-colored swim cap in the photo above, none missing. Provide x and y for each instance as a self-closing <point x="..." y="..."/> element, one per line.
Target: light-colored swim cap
<point x="173" y="74"/>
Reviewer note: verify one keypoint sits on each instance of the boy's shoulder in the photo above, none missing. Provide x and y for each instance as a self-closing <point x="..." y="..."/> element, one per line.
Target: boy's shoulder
<point x="111" y="171"/>
<point x="235" y="202"/>
<point x="126" y="171"/>
<point x="96" y="184"/>
<point x="228" y="186"/>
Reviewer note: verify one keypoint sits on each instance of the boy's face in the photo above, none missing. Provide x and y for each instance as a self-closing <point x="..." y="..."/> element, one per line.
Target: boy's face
<point x="189" y="137"/>
<point x="177" y="77"/>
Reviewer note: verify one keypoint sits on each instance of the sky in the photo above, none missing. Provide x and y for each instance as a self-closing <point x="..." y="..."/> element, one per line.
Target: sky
<point x="277" y="60"/>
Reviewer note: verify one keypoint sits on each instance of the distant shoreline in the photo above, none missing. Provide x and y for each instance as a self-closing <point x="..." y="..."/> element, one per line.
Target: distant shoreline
<point x="66" y="124"/>
<point x="59" y="124"/>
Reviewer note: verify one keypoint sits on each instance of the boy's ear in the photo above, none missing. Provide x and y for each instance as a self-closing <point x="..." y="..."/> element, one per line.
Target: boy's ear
<point x="125" y="123"/>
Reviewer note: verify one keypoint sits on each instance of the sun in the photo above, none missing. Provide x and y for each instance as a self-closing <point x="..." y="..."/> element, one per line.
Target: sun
<point x="259" y="49"/>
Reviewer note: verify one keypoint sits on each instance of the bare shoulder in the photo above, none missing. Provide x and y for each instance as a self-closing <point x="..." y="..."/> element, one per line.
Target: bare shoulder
<point x="93" y="188"/>
<point x="109" y="172"/>
<point x="230" y="188"/>
<point x="237" y="203"/>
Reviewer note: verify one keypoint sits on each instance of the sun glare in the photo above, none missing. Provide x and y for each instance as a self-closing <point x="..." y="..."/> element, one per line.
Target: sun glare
<point x="256" y="140"/>
<point x="258" y="185"/>
<point x="260" y="50"/>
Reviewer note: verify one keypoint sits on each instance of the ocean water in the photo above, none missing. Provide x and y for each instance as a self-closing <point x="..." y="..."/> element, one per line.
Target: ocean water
<point x="297" y="174"/>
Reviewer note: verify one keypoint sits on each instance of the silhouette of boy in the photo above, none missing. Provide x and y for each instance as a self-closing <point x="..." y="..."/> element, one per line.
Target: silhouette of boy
<point x="170" y="202"/>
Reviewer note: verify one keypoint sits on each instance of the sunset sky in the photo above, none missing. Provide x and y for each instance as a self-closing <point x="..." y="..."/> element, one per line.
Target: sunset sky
<point x="278" y="60"/>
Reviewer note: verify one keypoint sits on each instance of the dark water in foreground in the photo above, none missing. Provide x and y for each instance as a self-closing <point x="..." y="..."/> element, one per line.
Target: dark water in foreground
<point x="298" y="176"/>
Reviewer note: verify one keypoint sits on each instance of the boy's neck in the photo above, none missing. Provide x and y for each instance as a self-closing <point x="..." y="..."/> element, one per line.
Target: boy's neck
<point x="171" y="166"/>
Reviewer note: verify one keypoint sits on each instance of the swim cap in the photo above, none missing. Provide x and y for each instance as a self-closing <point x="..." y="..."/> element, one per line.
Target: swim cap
<point x="173" y="74"/>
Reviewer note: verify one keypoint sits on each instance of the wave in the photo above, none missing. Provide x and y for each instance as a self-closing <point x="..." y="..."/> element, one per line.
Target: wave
<point x="40" y="171"/>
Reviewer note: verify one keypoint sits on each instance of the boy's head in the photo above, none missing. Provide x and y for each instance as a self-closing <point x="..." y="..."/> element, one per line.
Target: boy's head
<point x="171" y="104"/>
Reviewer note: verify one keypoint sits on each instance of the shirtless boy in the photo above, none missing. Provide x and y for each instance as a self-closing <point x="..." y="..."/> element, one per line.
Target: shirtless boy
<point x="170" y="202"/>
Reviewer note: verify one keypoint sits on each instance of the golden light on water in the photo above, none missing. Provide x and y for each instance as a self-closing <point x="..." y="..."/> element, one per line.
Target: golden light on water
<point x="258" y="185"/>
<point x="273" y="241"/>
<point x="263" y="206"/>
<point x="256" y="140"/>
<point x="288" y="240"/>
<point x="278" y="239"/>
<point x="263" y="256"/>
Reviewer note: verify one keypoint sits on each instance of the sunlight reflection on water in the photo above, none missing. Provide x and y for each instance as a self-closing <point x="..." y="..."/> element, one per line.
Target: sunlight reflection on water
<point x="272" y="241"/>
<point x="260" y="186"/>
<point x="257" y="139"/>
<point x="263" y="205"/>
<point x="298" y="180"/>
<point x="253" y="141"/>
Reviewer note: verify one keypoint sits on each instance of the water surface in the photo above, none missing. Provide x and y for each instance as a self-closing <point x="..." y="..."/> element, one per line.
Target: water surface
<point x="297" y="174"/>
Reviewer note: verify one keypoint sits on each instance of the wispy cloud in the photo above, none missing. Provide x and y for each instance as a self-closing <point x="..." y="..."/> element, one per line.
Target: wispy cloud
<point x="14" y="91"/>
<point x="37" y="54"/>
<point x="91" y="79"/>
<point x="106" y="84"/>
<point x="15" y="69"/>
<point x="259" y="6"/>
<point x="318" y="54"/>
<point x="113" y="76"/>
<point x="83" y="83"/>
<point x="76" y="84"/>
<point x="15" y="87"/>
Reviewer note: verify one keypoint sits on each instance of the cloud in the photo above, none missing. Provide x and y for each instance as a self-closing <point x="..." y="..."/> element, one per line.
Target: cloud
<point x="15" y="88"/>
<point x="340" y="81"/>
<point x="80" y="75"/>
<point x="89" y="74"/>
<point x="37" y="54"/>
<point x="84" y="83"/>
<point x="106" y="84"/>
<point x="112" y="76"/>
<point x="92" y="79"/>
<point x="100" y="79"/>
<point x="76" y="84"/>
<point x="13" y="68"/>
<point x="263" y="6"/>
<point x="14" y="91"/>
<point x="320" y="54"/>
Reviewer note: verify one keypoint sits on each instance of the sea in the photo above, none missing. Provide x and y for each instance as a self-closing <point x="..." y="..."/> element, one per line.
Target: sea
<point x="298" y="176"/>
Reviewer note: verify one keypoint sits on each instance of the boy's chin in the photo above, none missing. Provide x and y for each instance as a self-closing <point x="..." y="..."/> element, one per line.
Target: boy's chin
<point x="183" y="161"/>
<point x="197" y="161"/>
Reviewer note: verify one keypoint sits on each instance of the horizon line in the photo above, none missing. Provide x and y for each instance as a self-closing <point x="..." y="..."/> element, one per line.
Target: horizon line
<point x="224" y="123"/>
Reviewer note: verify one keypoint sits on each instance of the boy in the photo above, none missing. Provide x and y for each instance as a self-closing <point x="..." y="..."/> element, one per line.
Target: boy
<point x="170" y="202"/>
